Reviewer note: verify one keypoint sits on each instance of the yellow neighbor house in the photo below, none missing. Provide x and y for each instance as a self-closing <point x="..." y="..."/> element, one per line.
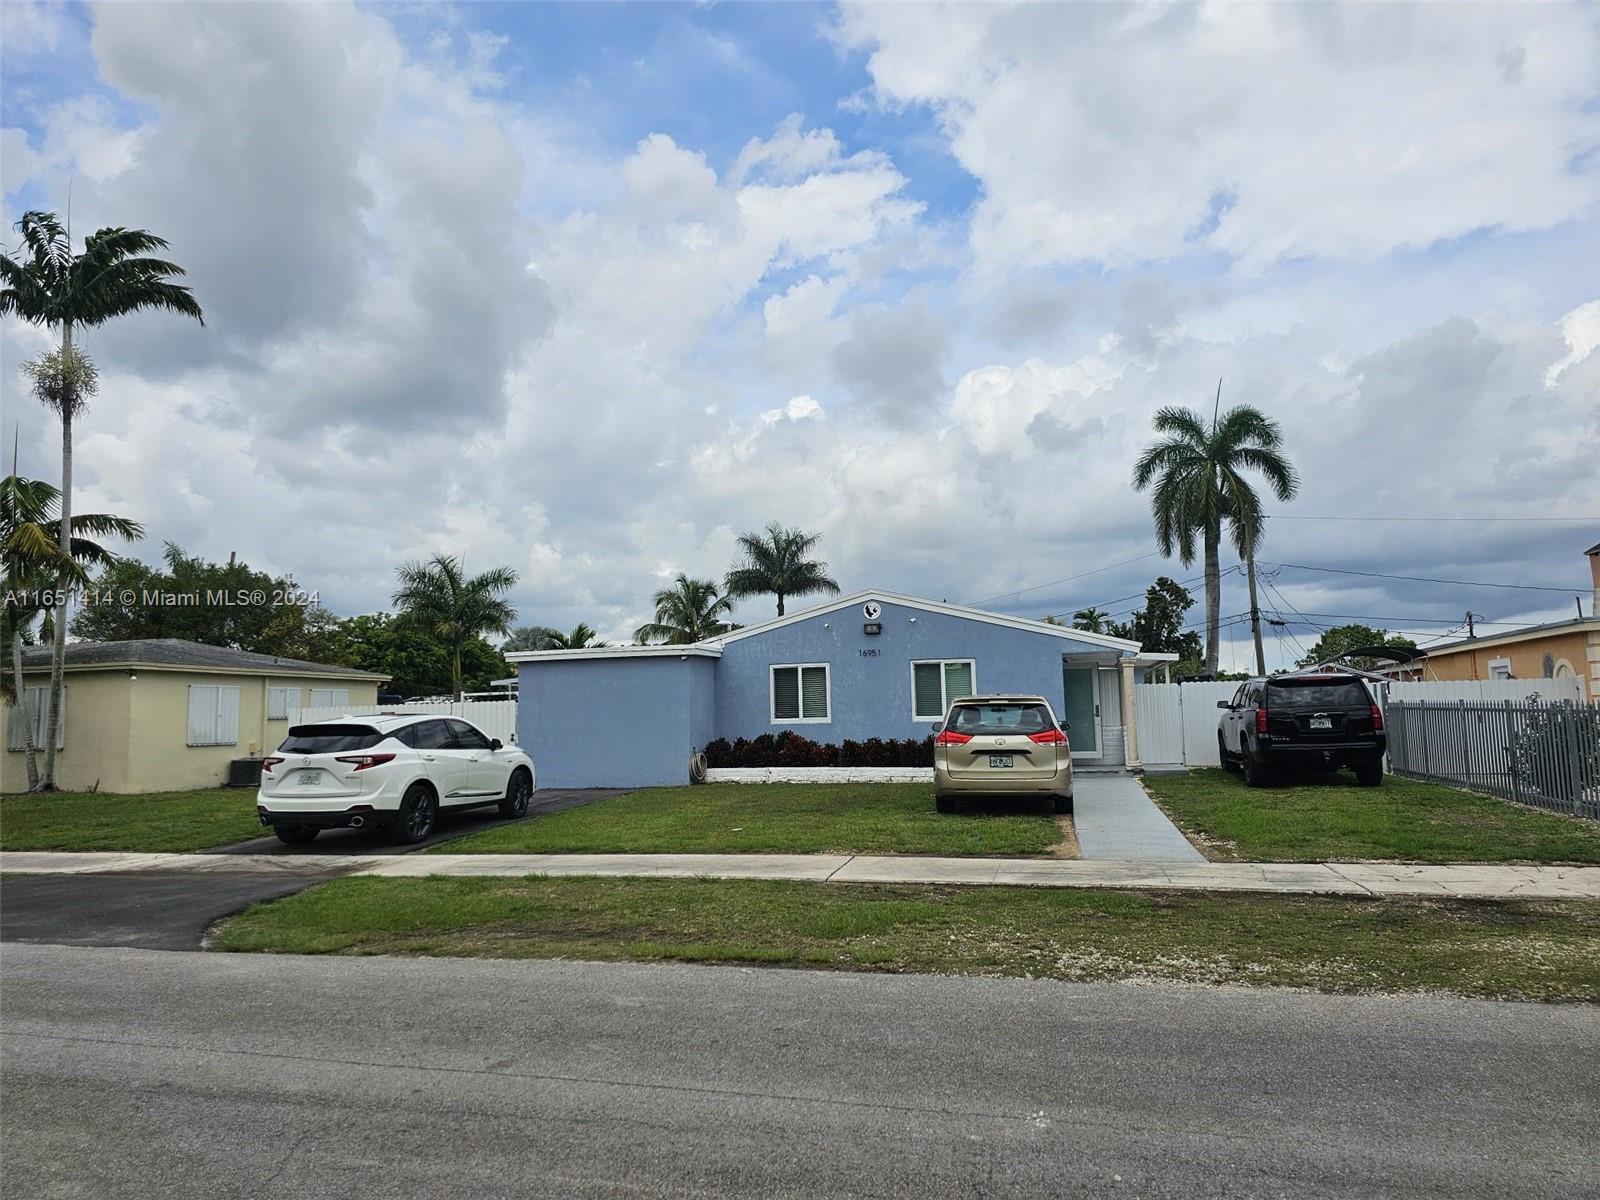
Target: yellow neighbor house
<point x="1558" y="650"/>
<point x="163" y="714"/>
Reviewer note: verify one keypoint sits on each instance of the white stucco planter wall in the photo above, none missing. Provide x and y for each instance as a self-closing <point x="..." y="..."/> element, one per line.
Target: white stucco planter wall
<point x="820" y="775"/>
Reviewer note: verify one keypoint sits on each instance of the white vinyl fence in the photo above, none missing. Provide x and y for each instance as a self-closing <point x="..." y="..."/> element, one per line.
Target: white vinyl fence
<point x="1178" y="721"/>
<point x="497" y="718"/>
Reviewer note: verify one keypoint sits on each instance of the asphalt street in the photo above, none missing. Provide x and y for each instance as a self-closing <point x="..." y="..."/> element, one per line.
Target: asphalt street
<point x="132" y="1073"/>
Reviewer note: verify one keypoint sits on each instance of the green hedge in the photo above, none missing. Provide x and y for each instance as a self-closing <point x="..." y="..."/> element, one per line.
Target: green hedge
<point x="789" y="749"/>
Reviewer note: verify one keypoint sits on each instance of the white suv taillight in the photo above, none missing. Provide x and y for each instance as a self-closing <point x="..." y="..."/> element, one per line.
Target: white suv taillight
<point x="363" y="761"/>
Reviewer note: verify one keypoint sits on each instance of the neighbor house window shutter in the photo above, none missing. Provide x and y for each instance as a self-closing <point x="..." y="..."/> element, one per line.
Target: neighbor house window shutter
<point x="814" y="693"/>
<point x="957" y="681"/>
<point x="283" y="703"/>
<point x="35" y="709"/>
<point x="785" y="694"/>
<point x="227" y="716"/>
<point x="330" y="697"/>
<point x="202" y="714"/>
<point x="929" y="699"/>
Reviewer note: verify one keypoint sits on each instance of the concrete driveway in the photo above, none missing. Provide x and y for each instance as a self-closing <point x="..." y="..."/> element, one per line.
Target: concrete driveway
<point x="137" y="1074"/>
<point x="1117" y="821"/>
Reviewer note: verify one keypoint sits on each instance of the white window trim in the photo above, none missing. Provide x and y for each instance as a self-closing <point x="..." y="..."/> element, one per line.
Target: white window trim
<point x="944" y="695"/>
<point x="772" y="692"/>
<point x="1499" y="664"/>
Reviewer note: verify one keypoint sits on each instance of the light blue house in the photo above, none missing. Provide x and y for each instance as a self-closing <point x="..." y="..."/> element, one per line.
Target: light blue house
<point x="875" y="664"/>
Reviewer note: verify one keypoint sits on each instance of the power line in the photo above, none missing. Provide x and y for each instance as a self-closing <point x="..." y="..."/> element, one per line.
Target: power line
<point x="1521" y="587"/>
<point x="1472" y="520"/>
<point x="1068" y="579"/>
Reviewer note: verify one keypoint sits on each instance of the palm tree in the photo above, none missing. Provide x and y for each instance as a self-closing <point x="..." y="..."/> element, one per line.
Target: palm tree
<point x="1090" y="620"/>
<point x="34" y="564"/>
<point x="452" y="608"/>
<point x="582" y="637"/>
<point x="775" y="564"/>
<point x="47" y="284"/>
<point x="689" y="611"/>
<point x="1199" y="484"/>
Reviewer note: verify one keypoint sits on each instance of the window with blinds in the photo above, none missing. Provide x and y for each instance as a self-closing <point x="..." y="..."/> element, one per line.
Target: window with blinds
<point x="934" y="685"/>
<point x="35" y="711"/>
<point x="283" y="703"/>
<point x="800" y="692"/>
<point x="213" y="715"/>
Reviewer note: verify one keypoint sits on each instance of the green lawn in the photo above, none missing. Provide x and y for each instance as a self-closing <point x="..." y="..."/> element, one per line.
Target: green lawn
<point x="745" y="818"/>
<point x="158" y="821"/>
<point x="1333" y="819"/>
<point x="1544" y="950"/>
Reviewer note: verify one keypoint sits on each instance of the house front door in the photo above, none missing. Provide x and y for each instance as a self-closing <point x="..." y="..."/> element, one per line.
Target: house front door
<point x="1081" y="710"/>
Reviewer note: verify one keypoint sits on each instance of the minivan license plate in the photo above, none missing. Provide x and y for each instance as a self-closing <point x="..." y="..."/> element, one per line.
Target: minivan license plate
<point x="1322" y="722"/>
<point x="1000" y="760"/>
<point x="307" y="778"/>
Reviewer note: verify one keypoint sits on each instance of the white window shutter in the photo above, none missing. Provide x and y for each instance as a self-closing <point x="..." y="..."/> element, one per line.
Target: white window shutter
<point x="35" y="708"/>
<point x="202" y="714"/>
<point x="227" y="716"/>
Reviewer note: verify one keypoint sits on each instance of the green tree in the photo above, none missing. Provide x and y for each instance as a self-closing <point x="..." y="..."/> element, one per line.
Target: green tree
<point x="417" y="662"/>
<point x="775" y="564"/>
<point x="1199" y="475"/>
<point x="35" y="564"/>
<point x="1341" y="639"/>
<point x="1090" y="620"/>
<point x="1159" y="625"/>
<point x="219" y="604"/>
<point x="48" y="284"/>
<point x="453" y="608"/>
<point x="689" y="611"/>
<point x="524" y="637"/>
<point x="581" y="637"/>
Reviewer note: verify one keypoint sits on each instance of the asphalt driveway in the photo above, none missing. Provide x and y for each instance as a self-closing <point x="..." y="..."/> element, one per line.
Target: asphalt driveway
<point x="450" y="825"/>
<point x="153" y="911"/>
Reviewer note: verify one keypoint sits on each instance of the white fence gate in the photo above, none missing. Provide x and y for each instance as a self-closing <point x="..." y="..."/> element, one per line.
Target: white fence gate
<point x="1178" y="721"/>
<point x="497" y="718"/>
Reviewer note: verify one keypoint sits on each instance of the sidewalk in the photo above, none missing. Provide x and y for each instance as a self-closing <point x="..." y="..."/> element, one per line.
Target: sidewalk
<point x="1490" y="880"/>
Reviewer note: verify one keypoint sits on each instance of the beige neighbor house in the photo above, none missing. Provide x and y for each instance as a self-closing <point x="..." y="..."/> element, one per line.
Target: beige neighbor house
<point x="164" y="714"/>
<point x="1557" y="650"/>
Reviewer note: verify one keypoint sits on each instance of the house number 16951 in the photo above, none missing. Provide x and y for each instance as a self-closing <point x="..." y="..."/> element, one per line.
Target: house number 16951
<point x="873" y="653"/>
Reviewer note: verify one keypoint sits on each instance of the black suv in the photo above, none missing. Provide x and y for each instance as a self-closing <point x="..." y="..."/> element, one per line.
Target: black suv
<point x="1302" y="722"/>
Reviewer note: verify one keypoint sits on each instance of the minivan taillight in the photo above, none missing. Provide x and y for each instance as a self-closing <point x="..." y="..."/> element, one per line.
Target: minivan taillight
<point x="1377" y="719"/>
<point x="363" y="761"/>
<point x="268" y="763"/>
<point x="1261" y="720"/>
<point x="1049" y="737"/>
<point x="949" y="737"/>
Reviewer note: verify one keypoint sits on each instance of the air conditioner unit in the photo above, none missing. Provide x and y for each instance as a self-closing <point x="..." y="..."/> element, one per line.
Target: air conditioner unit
<point x="244" y="772"/>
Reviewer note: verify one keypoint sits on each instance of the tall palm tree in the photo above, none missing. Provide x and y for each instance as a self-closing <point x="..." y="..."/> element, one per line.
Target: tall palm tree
<point x="34" y="565"/>
<point x="455" y="609"/>
<point x="582" y="637"/>
<point x="1090" y="620"/>
<point x="775" y="564"/>
<point x="691" y="610"/>
<point x="1198" y="472"/>
<point x="47" y="284"/>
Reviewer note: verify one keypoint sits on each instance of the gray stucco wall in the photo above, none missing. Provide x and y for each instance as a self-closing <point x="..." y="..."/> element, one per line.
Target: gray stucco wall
<point x="871" y="692"/>
<point x="614" y="722"/>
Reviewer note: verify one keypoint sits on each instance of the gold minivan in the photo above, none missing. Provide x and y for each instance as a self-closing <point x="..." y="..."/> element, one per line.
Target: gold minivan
<point x="1001" y="746"/>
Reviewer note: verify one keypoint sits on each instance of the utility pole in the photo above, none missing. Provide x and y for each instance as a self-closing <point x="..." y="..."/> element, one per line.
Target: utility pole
<point x="1472" y="630"/>
<point x="1255" y="610"/>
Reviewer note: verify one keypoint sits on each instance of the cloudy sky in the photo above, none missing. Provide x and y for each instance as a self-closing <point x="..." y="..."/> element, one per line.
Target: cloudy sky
<point x="590" y="290"/>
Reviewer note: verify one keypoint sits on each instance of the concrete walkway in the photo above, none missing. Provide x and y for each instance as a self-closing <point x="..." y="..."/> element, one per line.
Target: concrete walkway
<point x="1492" y="880"/>
<point x="1118" y="822"/>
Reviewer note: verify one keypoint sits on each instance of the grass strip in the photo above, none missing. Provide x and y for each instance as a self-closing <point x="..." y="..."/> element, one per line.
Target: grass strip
<point x="1523" y="949"/>
<point x="156" y="821"/>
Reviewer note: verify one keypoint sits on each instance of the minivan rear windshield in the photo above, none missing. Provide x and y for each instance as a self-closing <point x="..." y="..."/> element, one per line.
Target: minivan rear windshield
<point x="1000" y="718"/>
<point x="330" y="739"/>
<point x="1317" y="693"/>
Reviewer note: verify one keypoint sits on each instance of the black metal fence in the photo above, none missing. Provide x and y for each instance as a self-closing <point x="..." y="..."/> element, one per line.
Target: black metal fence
<point x="1542" y="754"/>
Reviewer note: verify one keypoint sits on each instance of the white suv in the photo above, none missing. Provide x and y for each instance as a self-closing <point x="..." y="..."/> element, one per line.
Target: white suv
<point x="398" y="771"/>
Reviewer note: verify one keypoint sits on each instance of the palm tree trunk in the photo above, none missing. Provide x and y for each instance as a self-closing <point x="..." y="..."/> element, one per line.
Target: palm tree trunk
<point x="21" y="707"/>
<point x="455" y="671"/>
<point x="58" y="659"/>
<point x="780" y="604"/>
<point x="1213" y="599"/>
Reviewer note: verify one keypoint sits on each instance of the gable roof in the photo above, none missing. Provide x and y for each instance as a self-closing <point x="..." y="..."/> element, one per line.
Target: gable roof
<point x="1065" y="632"/>
<point x="178" y="654"/>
